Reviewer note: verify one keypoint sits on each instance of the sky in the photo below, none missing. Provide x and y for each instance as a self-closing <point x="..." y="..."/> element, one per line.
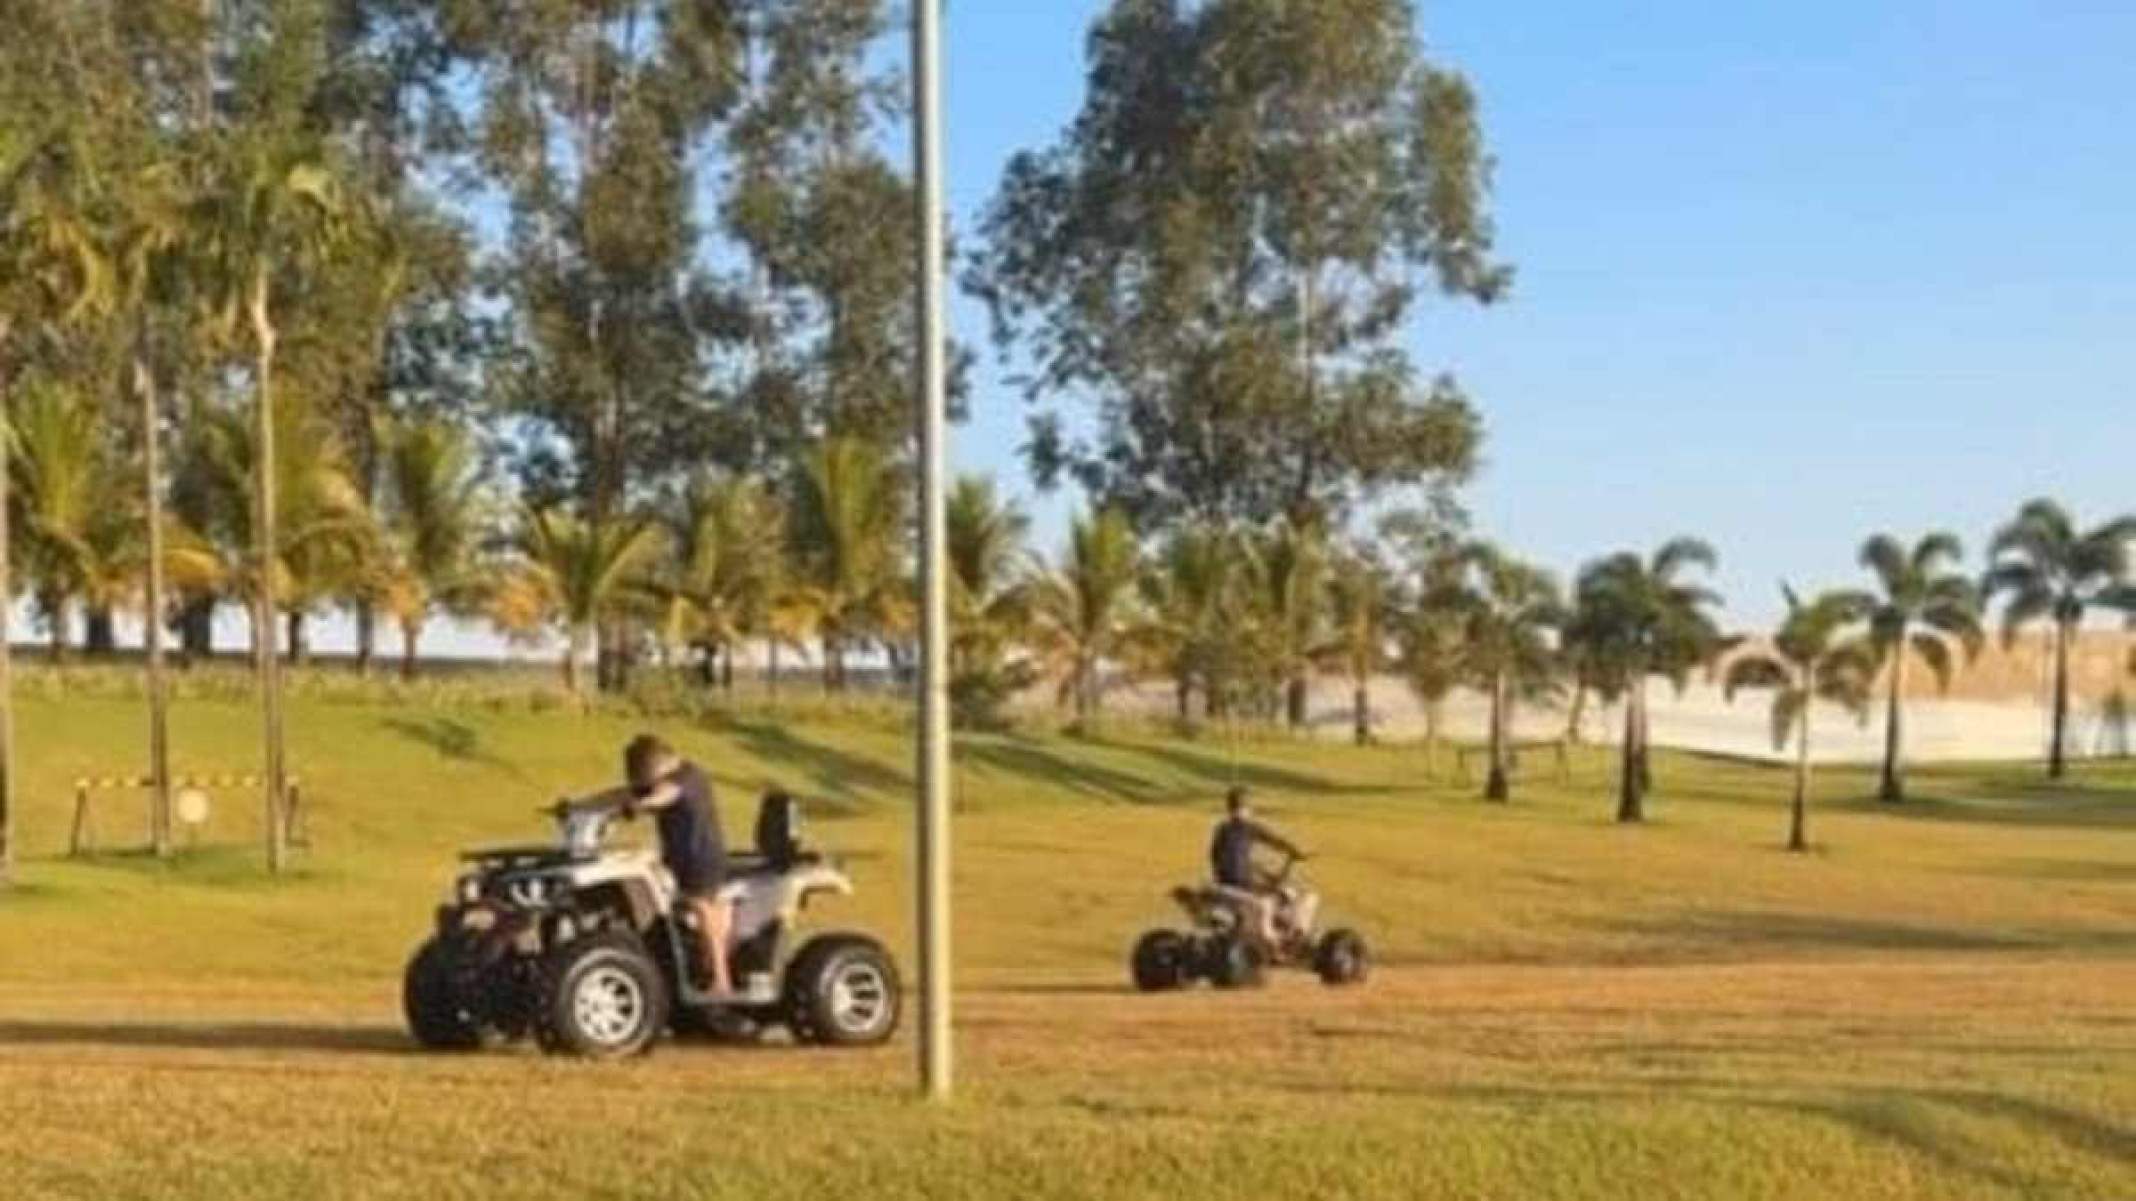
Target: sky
<point x="1788" y="273"/>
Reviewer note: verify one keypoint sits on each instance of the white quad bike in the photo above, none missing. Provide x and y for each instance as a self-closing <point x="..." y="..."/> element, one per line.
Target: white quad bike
<point x="1228" y="950"/>
<point x="585" y="949"/>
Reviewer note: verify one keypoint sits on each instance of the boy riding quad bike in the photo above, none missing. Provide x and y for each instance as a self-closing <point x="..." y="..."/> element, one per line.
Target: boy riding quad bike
<point x="595" y="952"/>
<point x="1247" y="919"/>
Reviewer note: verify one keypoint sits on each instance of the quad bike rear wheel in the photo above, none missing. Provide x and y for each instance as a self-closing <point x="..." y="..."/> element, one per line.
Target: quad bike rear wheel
<point x="1341" y="958"/>
<point x="1234" y="962"/>
<point x="434" y="999"/>
<point x="1163" y="960"/>
<point x="842" y="990"/>
<point x="602" y="997"/>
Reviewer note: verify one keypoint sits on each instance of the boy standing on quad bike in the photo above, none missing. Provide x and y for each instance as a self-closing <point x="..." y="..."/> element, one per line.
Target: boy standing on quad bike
<point x="1231" y="864"/>
<point x="680" y="798"/>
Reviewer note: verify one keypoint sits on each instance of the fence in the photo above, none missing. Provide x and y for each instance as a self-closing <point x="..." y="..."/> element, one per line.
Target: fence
<point x="81" y="840"/>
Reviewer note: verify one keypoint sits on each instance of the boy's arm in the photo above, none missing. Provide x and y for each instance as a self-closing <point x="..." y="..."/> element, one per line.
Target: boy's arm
<point x="1271" y="838"/>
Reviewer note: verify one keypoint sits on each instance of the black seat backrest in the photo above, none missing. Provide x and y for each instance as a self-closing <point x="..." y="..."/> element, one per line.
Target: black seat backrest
<point x="778" y="829"/>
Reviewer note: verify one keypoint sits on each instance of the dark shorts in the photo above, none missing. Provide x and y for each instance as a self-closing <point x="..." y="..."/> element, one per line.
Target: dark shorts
<point x="699" y="879"/>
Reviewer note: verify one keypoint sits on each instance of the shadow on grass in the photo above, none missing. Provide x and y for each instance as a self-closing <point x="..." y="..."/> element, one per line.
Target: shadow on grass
<point x="1040" y="764"/>
<point x="837" y="779"/>
<point x="2008" y="803"/>
<point x="454" y="740"/>
<point x="1736" y="930"/>
<point x="207" y="1036"/>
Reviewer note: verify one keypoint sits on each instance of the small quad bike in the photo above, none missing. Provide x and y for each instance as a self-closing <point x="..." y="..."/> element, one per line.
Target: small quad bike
<point x="1226" y="949"/>
<point x="584" y="949"/>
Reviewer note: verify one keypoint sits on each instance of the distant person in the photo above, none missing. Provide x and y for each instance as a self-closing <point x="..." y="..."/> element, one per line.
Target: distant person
<point x="1231" y="864"/>
<point x="679" y="796"/>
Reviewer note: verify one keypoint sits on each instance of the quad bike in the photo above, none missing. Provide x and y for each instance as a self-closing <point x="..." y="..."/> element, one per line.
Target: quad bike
<point x="1227" y="949"/>
<point x="586" y="950"/>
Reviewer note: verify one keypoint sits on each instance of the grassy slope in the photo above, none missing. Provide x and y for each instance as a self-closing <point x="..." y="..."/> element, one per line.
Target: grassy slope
<point x="1935" y="1005"/>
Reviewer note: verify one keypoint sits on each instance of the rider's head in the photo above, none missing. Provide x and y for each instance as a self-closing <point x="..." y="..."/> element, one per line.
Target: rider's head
<point x="645" y="760"/>
<point x="1235" y="800"/>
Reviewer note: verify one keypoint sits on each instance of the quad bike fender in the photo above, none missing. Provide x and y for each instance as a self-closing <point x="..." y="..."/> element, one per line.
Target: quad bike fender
<point x="634" y="897"/>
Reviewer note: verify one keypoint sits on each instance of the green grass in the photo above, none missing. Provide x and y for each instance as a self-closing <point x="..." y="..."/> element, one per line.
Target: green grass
<point x="1937" y="1003"/>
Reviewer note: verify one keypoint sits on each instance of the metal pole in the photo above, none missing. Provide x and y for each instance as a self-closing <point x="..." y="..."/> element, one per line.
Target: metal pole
<point x="934" y="778"/>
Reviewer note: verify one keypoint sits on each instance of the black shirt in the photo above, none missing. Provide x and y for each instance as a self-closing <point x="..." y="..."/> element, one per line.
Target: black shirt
<point x="690" y="842"/>
<point x="1231" y="851"/>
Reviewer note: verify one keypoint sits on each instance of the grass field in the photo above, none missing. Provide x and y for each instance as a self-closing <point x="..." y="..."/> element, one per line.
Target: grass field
<point x="1939" y="1003"/>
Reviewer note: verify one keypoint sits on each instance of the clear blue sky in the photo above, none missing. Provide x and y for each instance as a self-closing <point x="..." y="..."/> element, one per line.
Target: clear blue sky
<point x="1788" y="273"/>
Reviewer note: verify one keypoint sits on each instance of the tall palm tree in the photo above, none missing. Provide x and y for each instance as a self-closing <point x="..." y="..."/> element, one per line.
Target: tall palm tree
<point x="1360" y="611"/>
<point x="1812" y="659"/>
<point x="1925" y="607"/>
<point x="1086" y="609"/>
<point x="1508" y="609"/>
<point x="1649" y="622"/>
<point x="728" y="535"/>
<point x="271" y="212"/>
<point x="2051" y="569"/>
<point x="436" y="511"/>
<point x="50" y="273"/>
<point x="1433" y="660"/>
<point x="990" y="598"/>
<point x="849" y="518"/>
<point x="1190" y="600"/>
<point x="584" y="571"/>
<point x="1291" y="561"/>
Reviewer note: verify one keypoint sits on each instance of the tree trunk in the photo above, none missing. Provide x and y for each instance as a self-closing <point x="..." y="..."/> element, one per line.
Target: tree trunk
<point x="1295" y="702"/>
<point x="56" y="622"/>
<point x="1361" y="713"/>
<point x="265" y="553"/>
<point x="1798" y="838"/>
<point x="726" y="668"/>
<point x="99" y="636"/>
<point x="7" y="682"/>
<point x="159" y="764"/>
<point x="1498" y="786"/>
<point x="196" y="627"/>
<point x="771" y="666"/>
<point x="411" y="633"/>
<point x="366" y="635"/>
<point x="2057" y="755"/>
<point x="574" y="649"/>
<point x="1576" y="713"/>
<point x="1432" y="715"/>
<point x="1631" y="791"/>
<point x="299" y="645"/>
<point x="1892" y="789"/>
<point x="1646" y="748"/>
<point x="830" y="665"/>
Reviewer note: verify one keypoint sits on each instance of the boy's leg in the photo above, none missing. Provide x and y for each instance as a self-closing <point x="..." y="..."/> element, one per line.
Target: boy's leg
<point x="712" y="924"/>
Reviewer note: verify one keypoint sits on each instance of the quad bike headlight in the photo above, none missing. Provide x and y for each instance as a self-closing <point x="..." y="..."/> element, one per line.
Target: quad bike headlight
<point x="467" y="890"/>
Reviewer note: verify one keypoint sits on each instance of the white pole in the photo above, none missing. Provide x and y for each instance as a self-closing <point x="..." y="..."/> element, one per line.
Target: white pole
<point x="933" y="809"/>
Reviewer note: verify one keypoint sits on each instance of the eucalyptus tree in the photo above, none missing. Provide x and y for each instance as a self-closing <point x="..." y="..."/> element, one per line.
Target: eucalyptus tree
<point x="1087" y="607"/>
<point x="435" y="514"/>
<point x="1221" y="252"/>
<point x="1816" y="655"/>
<point x="1925" y="610"/>
<point x="2045" y="566"/>
<point x="849" y="520"/>
<point x="1650" y="621"/>
<point x="1507" y="610"/>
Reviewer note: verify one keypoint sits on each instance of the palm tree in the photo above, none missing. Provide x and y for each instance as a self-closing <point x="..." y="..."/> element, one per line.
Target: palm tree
<point x="1923" y="610"/>
<point x="990" y="599"/>
<point x="1291" y="562"/>
<point x="436" y="511"/>
<point x="1190" y="597"/>
<point x="268" y="217"/>
<point x="1508" y="609"/>
<point x="1649" y="622"/>
<point x="1811" y="660"/>
<point x="1360" y="605"/>
<point x="1086" y="608"/>
<point x="2049" y="568"/>
<point x="583" y="571"/>
<point x="848" y="522"/>
<point x="50" y="274"/>
<point x="79" y="544"/>
<point x="728" y="535"/>
<point x="1433" y="660"/>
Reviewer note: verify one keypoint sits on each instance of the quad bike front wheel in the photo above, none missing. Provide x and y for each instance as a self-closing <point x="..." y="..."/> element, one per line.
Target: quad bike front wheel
<point x="1163" y="960"/>
<point x="434" y="999"/>
<point x="602" y="998"/>
<point x="1341" y="958"/>
<point x="1234" y="962"/>
<point x="842" y="990"/>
